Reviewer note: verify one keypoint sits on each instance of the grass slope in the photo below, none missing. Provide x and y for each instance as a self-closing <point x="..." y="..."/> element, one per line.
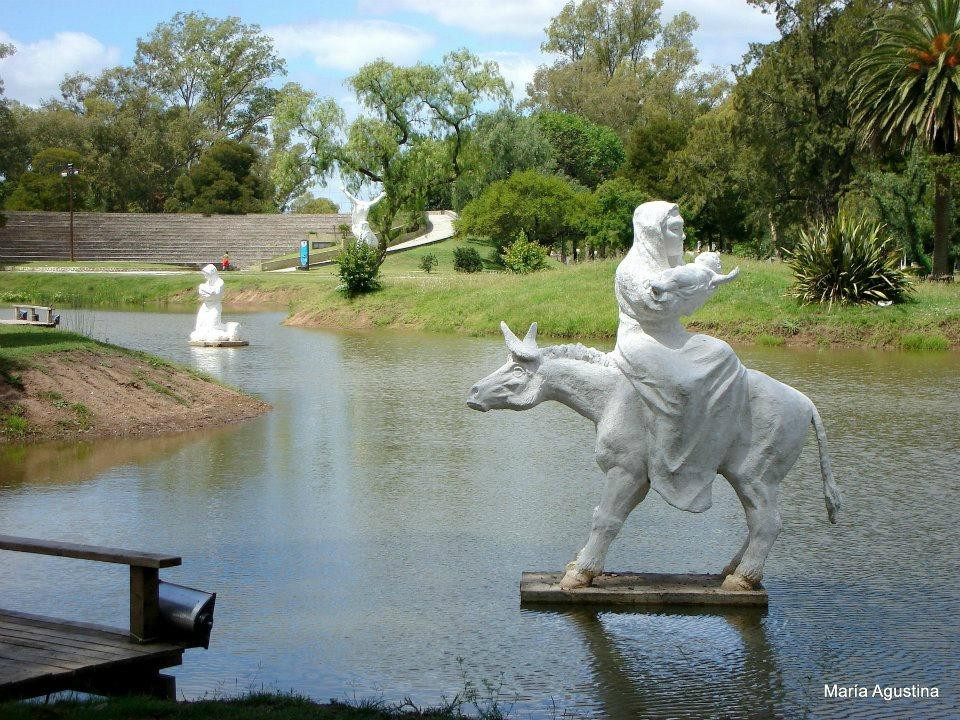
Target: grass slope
<point x="567" y="301"/>
<point x="62" y="385"/>
<point x="254" y="707"/>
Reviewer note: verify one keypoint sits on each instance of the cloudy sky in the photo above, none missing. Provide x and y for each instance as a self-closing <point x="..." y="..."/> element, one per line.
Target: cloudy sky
<point x="324" y="41"/>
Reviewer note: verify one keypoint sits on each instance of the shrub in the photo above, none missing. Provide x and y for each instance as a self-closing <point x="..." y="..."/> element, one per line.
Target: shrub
<point x="524" y="256"/>
<point x="847" y="261"/>
<point x="428" y="262"/>
<point x="467" y="260"/>
<point x="359" y="265"/>
<point x="549" y="209"/>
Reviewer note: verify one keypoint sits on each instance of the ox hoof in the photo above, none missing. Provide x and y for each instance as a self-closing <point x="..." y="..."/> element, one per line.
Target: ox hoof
<point x="574" y="579"/>
<point x="736" y="582"/>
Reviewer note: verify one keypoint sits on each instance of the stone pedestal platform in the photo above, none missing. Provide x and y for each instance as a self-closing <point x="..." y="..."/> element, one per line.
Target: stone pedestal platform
<point x="649" y="589"/>
<point x="218" y="343"/>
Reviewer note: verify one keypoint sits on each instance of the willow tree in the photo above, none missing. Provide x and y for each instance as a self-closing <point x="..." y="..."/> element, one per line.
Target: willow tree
<point x="908" y="91"/>
<point x="409" y="139"/>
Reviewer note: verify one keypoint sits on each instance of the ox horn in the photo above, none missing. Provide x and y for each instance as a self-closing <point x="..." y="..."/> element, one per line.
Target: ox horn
<point x="525" y="349"/>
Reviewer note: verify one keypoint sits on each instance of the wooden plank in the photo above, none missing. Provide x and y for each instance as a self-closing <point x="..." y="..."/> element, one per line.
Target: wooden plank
<point x="638" y="589"/>
<point x="144" y="603"/>
<point x="87" y="651"/>
<point x="79" y="632"/>
<point x="88" y="552"/>
<point x="31" y="635"/>
<point x="16" y="616"/>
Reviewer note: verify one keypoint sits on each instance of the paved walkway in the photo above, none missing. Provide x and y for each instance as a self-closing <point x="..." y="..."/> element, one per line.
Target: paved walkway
<point x="441" y="228"/>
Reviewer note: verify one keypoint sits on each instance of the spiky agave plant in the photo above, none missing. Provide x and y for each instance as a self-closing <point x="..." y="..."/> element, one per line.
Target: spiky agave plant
<point x="848" y="260"/>
<point x="907" y="89"/>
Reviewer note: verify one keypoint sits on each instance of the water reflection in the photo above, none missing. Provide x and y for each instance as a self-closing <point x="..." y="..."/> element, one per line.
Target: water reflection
<point x="667" y="664"/>
<point x="370" y="530"/>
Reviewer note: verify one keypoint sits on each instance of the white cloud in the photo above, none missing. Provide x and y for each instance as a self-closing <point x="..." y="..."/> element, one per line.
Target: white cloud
<point x="726" y="27"/>
<point x="525" y="18"/>
<point x="517" y="68"/>
<point x="346" y="45"/>
<point x="34" y="72"/>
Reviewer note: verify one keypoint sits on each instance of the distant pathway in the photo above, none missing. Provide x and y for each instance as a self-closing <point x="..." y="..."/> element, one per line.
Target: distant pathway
<point x="441" y="228"/>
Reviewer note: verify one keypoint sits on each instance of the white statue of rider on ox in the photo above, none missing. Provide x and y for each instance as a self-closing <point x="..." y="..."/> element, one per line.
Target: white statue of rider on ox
<point x="672" y="409"/>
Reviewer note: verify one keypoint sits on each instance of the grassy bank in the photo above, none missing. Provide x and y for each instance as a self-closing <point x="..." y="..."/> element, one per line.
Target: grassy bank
<point x="466" y="704"/>
<point x="277" y="707"/>
<point x="62" y="385"/>
<point x="574" y="301"/>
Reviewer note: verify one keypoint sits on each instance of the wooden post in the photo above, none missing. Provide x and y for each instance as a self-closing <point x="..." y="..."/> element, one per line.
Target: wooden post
<point x="144" y="603"/>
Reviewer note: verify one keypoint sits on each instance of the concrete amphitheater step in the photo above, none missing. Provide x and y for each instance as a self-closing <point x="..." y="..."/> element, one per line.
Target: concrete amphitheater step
<point x="184" y="238"/>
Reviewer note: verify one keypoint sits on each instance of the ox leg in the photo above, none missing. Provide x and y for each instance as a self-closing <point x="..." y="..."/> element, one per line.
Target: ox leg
<point x="622" y="493"/>
<point x="760" y="504"/>
<point x="732" y="565"/>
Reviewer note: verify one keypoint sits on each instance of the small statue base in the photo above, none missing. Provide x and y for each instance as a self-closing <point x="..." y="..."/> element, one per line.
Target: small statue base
<point x="651" y="589"/>
<point x="218" y="343"/>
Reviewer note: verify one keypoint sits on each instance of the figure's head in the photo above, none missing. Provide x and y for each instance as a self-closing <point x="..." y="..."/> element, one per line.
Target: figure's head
<point x="710" y="260"/>
<point x="209" y="271"/>
<point x="516" y="385"/>
<point x="658" y="230"/>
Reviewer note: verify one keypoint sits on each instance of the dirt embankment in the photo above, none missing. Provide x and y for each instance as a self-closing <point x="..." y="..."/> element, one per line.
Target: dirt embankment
<point x="84" y="394"/>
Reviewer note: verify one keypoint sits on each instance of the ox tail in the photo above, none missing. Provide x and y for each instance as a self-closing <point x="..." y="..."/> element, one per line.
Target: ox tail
<point x="831" y="493"/>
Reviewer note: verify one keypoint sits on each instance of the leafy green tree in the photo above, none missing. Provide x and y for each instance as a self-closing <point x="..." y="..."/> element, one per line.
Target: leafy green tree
<point x="584" y="151"/>
<point x="550" y="210"/>
<point x="713" y="175"/>
<point x="225" y="181"/>
<point x="42" y="188"/>
<point x="411" y="139"/>
<point x="652" y="139"/>
<point x="310" y="205"/>
<point x="900" y="199"/>
<point x="503" y="142"/>
<point x="609" y="222"/>
<point x="214" y="69"/>
<point x="428" y="262"/>
<point x="792" y="111"/>
<point x="616" y="57"/>
<point x="908" y="90"/>
<point x="9" y="137"/>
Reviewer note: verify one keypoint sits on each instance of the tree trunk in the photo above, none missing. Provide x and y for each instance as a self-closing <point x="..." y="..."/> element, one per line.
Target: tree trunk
<point x="941" y="228"/>
<point x="774" y="236"/>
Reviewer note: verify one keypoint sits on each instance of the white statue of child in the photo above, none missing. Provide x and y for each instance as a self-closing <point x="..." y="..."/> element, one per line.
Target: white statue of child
<point x="700" y="277"/>
<point x="210" y="326"/>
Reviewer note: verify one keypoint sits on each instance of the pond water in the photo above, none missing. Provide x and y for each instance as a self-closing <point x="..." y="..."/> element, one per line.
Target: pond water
<point x="366" y="537"/>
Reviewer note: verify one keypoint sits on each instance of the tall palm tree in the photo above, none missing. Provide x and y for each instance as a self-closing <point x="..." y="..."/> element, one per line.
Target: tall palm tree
<point x="907" y="89"/>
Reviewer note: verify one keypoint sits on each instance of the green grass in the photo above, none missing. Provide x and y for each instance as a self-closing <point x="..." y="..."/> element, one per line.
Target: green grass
<point x="469" y="703"/>
<point x="13" y="424"/>
<point x="254" y="707"/>
<point x="574" y="301"/>
<point x="918" y="341"/>
<point x="157" y="387"/>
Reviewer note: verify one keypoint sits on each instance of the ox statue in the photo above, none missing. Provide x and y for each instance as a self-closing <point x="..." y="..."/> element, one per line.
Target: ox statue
<point x="672" y="409"/>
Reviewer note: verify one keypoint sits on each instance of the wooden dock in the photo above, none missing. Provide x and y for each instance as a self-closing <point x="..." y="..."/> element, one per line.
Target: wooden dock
<point x="41" y="655"/>
<point x="31" y="315"/>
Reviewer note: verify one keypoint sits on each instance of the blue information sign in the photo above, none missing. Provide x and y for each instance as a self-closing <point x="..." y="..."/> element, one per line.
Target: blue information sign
<point x="304" y="254"/>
